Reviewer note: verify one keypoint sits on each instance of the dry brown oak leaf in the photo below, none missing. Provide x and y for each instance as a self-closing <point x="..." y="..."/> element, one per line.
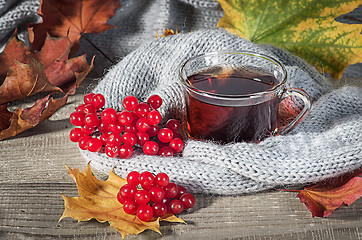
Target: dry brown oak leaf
<point x="71" y="18"/>
<point x="325" y="197"/>
<point x="98" y="199"/>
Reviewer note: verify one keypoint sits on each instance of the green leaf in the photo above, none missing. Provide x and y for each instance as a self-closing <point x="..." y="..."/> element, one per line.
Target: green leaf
<point x="305" y="28"/>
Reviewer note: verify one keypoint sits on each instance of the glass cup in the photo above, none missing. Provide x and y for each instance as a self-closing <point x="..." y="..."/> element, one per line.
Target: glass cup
<point x="235" y="96"/>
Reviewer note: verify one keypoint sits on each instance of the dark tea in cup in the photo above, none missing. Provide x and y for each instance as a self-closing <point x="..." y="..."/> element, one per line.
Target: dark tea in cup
<point x="232" y="123"/>
<point x="234" y="97"/>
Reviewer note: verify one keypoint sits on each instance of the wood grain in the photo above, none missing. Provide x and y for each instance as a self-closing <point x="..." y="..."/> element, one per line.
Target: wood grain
<point x="33" y="178"/>
<point x="32" y="210"/>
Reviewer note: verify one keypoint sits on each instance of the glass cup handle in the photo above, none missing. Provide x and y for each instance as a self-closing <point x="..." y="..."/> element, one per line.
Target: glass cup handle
<point x="307" y="104"/>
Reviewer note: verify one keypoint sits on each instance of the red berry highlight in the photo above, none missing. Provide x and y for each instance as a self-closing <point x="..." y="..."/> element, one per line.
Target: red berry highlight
<point x="89" y="108"/>
<point x="94" y="145"/>
<point x="155" y="101"/>
<point x="119" y="198"/>
<point x="133" y="178"/>
<point x="150" y="148"/>
<point x="129" y="138"/>
<point x="91" y="120"/>
<point x="162" y="179"/>
<point x="125" y="151"/>
<point x="98" y="100"/>
<point x="165" y="135"/>
<point x="88" y="98"/>
<point x="76" y="134"/>
<point x="171" y="190"/>
<point x="80" y="108"/>
<point x="125" y="118"/>
<point x="142" y="138"/>
<point x="77" y="118"/>
<point x="175" y="206"/>
<point x="130" y="207"/>
<point x="142" y="125"/>
<point x="187" y="200"/>
<point x="157" y="194"/>
<point x="173" y="124"/>
<point x="111" y="150"/>
<point x="166" y="151"/>
<point x="128" y="191"/>
<point x="109" y="115"/>
<point x="83" y="142"/>
<point x="130" y="102"/>
<point x="142" y="197"/>
<point x="159" y="209"/>
<point x="87" y="129"/>
<point x="181" y="191"/>
<point x="154" y="117"/>
<point x="142" y="109"/>
<point x="115" y="128"/>
<point x="146" y="180"/>
<point x="177" y="144"/>
<point x="102" y="127"/>
<point x="114" y="139"/>
<point x="153" y="130"/>
<point x="145" y="213"/>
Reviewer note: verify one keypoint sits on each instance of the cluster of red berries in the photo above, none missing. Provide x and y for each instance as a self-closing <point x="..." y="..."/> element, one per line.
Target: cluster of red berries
<point x="157" y="197"/>
<point x="120" y="132"/>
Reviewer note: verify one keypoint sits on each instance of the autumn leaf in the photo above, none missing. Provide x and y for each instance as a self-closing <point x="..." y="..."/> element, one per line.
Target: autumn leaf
<point x="323" y="198"/>
<point x="63" y="73"/>
<point x="52" y="106"/>
<point x="167" y="32"/>
<point x="305" y="28"/>
<point x="54" y="49"/>
<point x="24" y="80"/>
<point x="98" y="199"/>
<point x="14" y="50"/>
<point x="5" y="116"/>
<point x="13" y="123"/>
<point x="69" y="74"/>
<point x="71" y="18"/>
<point x="27" y="73"/>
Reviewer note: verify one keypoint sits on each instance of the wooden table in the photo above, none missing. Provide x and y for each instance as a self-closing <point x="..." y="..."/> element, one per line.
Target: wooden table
<point x="33" y="177"/>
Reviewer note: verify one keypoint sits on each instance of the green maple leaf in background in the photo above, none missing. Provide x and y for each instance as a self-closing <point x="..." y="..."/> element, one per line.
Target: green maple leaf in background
<point x="306" y="28"/>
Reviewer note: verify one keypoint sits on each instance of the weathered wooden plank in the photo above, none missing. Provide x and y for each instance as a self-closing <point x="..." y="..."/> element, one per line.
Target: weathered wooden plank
<point x="32" y="210"/>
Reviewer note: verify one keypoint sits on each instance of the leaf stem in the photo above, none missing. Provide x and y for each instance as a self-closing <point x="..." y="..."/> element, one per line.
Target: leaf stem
<point x="97" y="48"/>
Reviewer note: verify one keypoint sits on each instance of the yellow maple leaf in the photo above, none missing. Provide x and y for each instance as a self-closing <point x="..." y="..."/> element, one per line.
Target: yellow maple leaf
<point x="306" y="28"/>
<point x="98" y="199"/>
<point x="167" y="32"/>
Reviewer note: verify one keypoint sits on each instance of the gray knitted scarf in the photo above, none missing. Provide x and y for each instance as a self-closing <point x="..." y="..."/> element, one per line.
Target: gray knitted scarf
<point x="327" y="143"/>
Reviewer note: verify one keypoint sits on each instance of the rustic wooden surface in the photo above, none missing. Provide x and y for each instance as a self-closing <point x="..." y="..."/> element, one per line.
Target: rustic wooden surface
<point x="33" y="178"/>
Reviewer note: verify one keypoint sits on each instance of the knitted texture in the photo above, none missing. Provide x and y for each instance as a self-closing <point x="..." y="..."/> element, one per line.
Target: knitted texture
<point x="138" y="22"/>
<point x="16" y="14"/>
<point x="325" y="144"/>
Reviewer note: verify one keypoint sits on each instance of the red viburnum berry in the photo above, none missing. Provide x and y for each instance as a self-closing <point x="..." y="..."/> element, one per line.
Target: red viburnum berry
<point x="155" y="101"/>
<point x="144" y="213"/>
<point x="98" y="101"/>
<point x="130" y="102"/>
<point x="88" y="98"/>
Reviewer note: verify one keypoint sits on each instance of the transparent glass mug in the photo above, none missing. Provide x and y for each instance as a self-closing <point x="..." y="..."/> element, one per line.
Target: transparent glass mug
<point x="235" y="96"/>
